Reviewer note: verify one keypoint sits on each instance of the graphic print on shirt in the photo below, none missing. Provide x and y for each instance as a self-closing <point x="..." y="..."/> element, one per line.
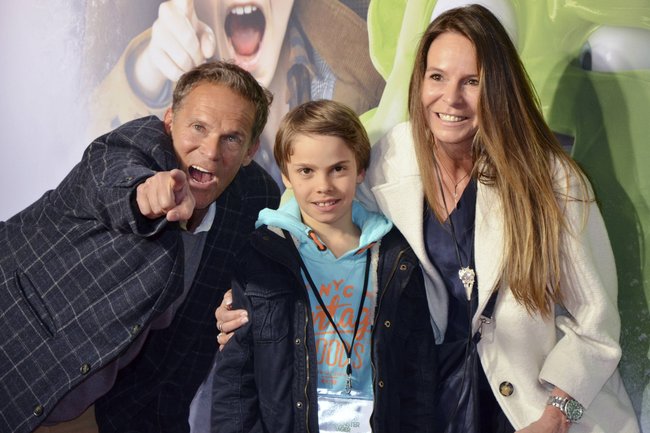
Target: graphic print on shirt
<point x="342" y="298"/>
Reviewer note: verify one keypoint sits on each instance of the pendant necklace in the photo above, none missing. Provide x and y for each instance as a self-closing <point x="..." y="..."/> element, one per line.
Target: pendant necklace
<point x="466" y="274"/>
<point x="456" y="183"/>
<point x="348" y="349"/>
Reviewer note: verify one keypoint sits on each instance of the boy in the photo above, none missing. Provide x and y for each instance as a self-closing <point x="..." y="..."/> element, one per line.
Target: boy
<point x="339" y="337"/>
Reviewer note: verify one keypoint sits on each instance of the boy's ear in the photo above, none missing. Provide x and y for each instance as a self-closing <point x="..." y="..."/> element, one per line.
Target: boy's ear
<point x="286" y="181"/>
<point x="361" y="176"/>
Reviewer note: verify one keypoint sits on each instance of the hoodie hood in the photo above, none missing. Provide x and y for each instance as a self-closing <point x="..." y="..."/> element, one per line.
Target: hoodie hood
<point x="373" y="227"/>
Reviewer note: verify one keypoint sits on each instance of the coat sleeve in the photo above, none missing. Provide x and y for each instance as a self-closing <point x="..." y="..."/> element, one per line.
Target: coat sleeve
<point x="418" y="396"/>
<point x="235" y="405"/>
<point x="588" y="350"/>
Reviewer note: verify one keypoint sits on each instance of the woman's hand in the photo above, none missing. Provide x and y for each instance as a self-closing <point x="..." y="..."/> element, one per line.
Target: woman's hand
<point x="228" y="320"/>
<point x="551" y="421"/>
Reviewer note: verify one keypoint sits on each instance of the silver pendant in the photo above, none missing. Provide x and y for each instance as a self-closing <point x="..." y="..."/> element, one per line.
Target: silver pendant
<point x="466" y="276"/>
<point x="348" y="384"/>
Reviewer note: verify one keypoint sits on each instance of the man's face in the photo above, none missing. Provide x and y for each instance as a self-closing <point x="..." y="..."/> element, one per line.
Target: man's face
<point x="211" y="132"/>
<point x="251" y="33"/>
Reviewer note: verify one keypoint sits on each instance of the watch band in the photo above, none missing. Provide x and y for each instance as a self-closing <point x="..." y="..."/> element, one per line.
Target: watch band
<point x="571" y="409"/>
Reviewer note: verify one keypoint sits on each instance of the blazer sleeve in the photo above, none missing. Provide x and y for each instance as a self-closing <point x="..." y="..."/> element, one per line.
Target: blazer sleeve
<point x="103" y="185"/>
<point x="588" y="351"/>
<point x="235" y="406"/>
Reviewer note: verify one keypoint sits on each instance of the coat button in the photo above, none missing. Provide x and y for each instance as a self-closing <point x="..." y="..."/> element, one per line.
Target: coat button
<point x="403" y="267"/>
<point x="299" y="405"/>
<point x="38" y="410"/>
<point x="506" y="389"/>
<point x="135" y="329"/>
<point x="380" y="383"/>
<point x="387" y="323"/>
<point x="297" y="341"/>
<point x="84" y="369"/>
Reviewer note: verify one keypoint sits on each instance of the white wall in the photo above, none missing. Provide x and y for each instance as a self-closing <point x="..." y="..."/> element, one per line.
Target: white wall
<point x="41" y="99"/>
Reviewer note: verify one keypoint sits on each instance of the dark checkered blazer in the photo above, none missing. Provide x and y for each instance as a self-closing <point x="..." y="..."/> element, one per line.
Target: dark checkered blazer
<point x="81" y="274"/>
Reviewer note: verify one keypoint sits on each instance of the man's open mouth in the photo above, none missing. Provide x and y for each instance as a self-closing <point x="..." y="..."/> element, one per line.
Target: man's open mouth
<point x="245" y="27"/>
<point x="199" y="174"/>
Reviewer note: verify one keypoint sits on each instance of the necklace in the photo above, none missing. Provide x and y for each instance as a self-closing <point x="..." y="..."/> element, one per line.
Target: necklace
<point x="455" y="182"/>
<point x="466" y="274"/>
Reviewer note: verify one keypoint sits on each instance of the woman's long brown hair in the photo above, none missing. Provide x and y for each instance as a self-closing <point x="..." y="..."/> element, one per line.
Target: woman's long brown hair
<point x="514" y="151"/>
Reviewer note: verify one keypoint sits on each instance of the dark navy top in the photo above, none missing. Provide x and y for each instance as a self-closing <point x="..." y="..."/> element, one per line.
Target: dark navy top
<point x="442" y="252"/>
<point x="444" y="255"/>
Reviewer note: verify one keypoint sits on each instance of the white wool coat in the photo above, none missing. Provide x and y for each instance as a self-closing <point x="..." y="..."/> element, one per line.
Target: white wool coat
<point x="577" y="350"/>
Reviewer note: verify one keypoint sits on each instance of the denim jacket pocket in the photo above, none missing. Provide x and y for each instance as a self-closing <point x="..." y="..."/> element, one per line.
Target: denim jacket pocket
<point x="272" y="318"/>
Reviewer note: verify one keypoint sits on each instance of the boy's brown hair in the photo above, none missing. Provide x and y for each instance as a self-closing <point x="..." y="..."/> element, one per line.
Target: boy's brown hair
<point x="322" y="117"/>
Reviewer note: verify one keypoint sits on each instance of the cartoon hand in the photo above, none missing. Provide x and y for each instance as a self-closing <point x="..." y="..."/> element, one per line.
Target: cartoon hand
<point x="179" y="42"/>
<point x="167" y="193"/>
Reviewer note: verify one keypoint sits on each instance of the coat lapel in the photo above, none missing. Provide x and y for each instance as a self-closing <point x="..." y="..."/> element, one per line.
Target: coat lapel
<point x="402" y="201"/>
<point x="489" y="244"/>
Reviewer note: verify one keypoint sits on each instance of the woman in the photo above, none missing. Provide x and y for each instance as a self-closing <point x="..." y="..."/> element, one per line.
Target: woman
<point x="477" y="182"/>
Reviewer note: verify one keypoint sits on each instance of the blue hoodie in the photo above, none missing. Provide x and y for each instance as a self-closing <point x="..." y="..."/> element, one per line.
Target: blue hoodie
<point x="340" y="283"/>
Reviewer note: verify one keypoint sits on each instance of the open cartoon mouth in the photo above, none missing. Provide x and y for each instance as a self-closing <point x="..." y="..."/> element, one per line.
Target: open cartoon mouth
<point x="245" y="27"/>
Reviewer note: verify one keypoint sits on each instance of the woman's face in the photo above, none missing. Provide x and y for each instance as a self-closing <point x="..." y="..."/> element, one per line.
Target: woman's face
<point x="450" y="91"/>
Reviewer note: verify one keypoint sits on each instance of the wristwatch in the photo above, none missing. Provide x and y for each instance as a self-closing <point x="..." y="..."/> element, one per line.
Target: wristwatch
<point x="571" y="409"/>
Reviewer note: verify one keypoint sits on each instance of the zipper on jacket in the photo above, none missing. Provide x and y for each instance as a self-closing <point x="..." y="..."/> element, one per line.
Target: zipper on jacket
<point x="374" y="329"/>
<point x="304" y="342"/>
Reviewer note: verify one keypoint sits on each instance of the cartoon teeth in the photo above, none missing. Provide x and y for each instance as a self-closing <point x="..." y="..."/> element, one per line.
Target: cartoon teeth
<point x="243" y="10"/>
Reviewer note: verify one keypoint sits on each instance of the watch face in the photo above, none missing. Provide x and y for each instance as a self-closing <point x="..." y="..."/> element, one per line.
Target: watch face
<point x="573" y="410"/>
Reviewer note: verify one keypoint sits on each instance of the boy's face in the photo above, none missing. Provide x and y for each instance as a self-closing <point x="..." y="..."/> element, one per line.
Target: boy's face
<point x="323" y="173"/>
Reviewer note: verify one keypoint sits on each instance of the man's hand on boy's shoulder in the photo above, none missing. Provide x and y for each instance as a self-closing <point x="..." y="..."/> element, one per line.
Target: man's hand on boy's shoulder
<point x="166" y="193"/>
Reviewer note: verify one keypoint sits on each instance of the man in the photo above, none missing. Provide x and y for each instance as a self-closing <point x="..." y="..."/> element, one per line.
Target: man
<point x="110" y="281"/>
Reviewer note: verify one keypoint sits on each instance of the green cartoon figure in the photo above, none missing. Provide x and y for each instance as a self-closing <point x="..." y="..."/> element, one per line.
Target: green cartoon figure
<point x="590" y="63"/>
